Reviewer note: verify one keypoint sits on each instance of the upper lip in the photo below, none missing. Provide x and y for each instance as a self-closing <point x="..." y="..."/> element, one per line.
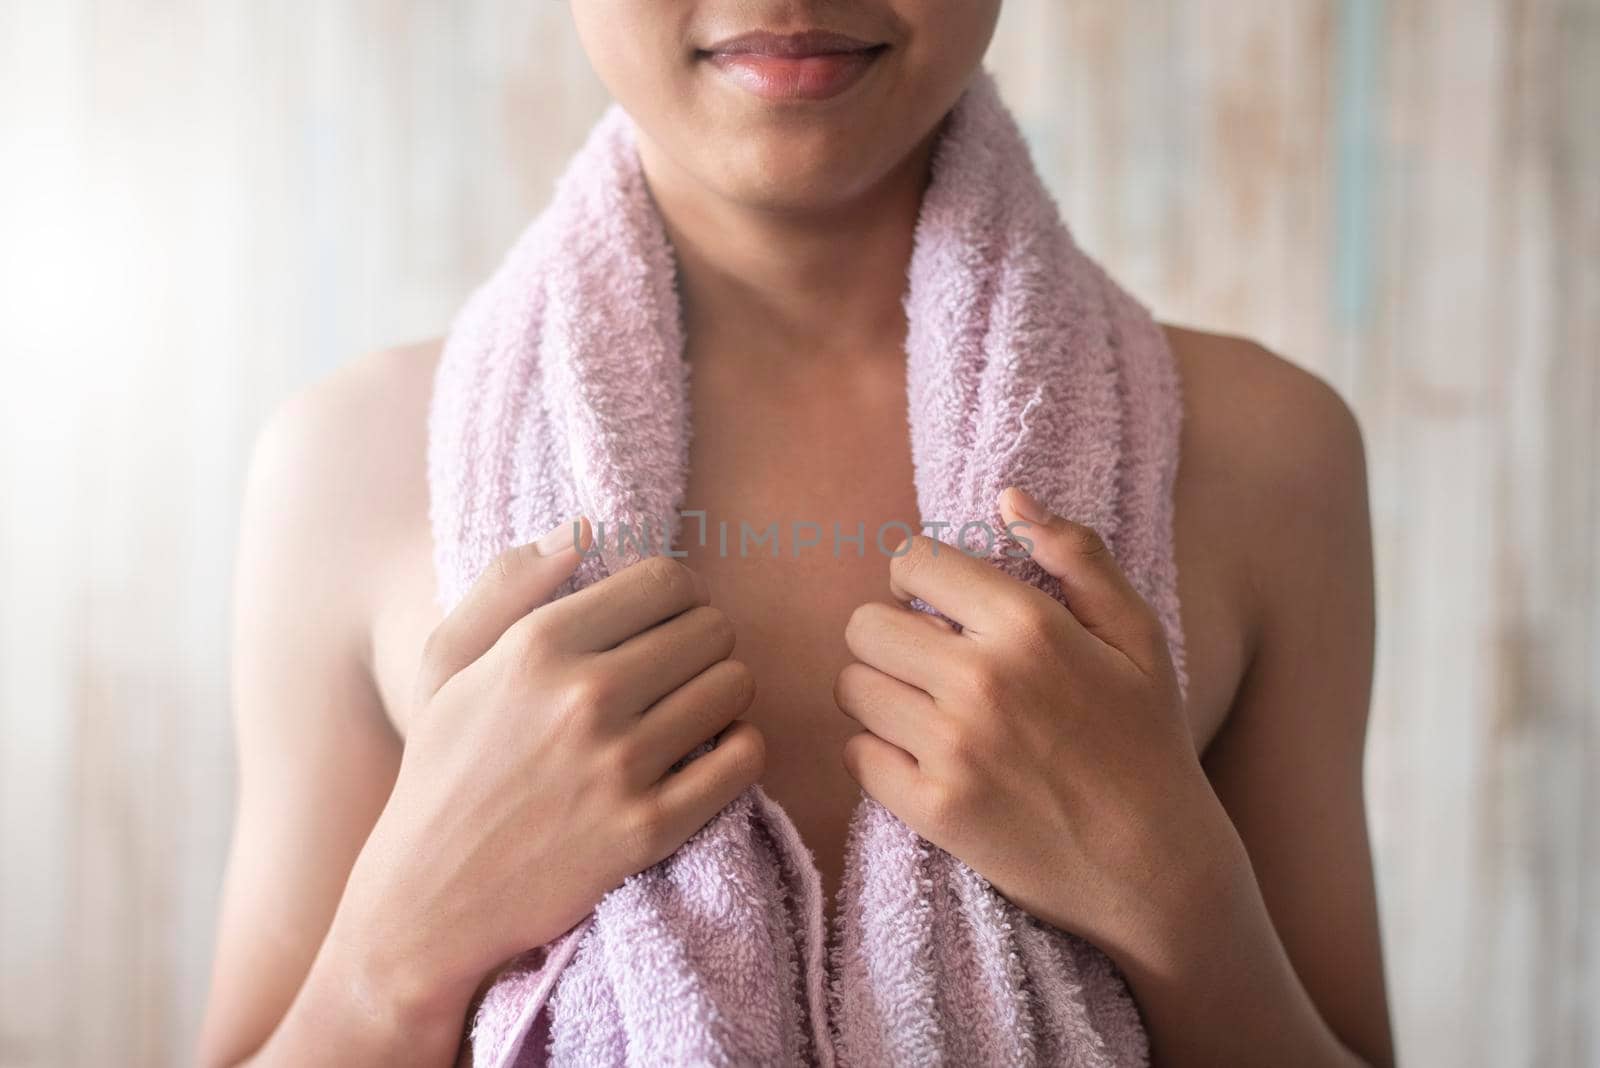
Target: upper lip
<point x="790" y="45"/>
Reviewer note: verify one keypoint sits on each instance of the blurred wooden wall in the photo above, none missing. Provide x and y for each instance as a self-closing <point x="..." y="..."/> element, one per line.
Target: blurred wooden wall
<point x="205" y="204"/>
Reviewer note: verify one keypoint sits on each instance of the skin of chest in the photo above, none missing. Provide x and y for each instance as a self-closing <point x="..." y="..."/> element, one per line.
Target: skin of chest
<point x="815" y="447"/>
<point x="809" y="460"/>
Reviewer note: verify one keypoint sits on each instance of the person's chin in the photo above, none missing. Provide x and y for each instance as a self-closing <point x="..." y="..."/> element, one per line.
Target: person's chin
<point x="790" y="179"/>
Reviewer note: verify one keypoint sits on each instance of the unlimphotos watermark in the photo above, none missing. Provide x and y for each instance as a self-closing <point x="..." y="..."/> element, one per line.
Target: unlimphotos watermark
<point x="777" y="540"/>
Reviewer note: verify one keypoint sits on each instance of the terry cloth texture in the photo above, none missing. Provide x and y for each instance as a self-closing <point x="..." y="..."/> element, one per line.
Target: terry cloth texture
<point x="563" y="391"/>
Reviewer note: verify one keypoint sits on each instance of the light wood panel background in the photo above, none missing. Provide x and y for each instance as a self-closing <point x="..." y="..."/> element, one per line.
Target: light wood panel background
<point x="205" y="205"/>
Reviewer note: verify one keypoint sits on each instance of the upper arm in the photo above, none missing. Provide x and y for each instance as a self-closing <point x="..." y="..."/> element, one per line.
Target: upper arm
<point x="1287" y="764"/>
<point x="316" y="755"/>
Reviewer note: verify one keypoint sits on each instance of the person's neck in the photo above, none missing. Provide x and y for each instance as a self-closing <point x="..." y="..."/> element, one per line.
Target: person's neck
<point x="816" y="286"/>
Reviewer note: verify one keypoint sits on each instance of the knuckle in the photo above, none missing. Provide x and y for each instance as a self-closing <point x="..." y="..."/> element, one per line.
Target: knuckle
<point x="508" y="564"/>
<point x="847" y="685"/>
<point x="856" y="620"/>
<point x="662" y="575"/>
<point x="435" y="649"/>
<point x="1086" y="541"/>
<point x="988" y="683"/>
<point x="851" y="754"/>
<point x="941" y="804"/>
<point x="624" y="761"/>
<point x="911" y="560"/>
<point x="620" y="760"/>
<point x="539" y="630"/>
<point x="1035" y="615"/>
<point x="1036" y="643"/>
<point x="528" y="640"/>
<point x="741" y="684"/>
<point x="646" y="837"/>
<point x="720" y="631"/>
<point x="589" y="692"/>
<point x="865" y="619"/>
<point x="747" y="757"/>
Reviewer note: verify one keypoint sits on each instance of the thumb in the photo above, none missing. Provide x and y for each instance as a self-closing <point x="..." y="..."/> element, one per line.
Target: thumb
<point x="513" y="584"/>
<point x="1097" y="592"/>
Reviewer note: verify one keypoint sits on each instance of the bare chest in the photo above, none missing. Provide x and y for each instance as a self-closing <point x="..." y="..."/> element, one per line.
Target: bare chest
<point x="796" y="491"/>
<point x="797" y="494"/>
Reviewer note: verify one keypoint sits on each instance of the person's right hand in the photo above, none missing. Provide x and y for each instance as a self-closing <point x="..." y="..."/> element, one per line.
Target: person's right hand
<point x="535" y="777"/>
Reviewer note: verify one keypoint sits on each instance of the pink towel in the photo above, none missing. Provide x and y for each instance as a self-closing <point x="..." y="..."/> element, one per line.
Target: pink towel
<point x="563" y="391"/>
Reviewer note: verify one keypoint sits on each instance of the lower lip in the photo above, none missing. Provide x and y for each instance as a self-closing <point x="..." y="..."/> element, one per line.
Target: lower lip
<point x="795" y="77"/>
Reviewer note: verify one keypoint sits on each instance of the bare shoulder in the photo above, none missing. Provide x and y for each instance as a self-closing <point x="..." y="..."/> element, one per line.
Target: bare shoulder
<point x="1261" y="415"/>
<point x="337" y="475"/>
<point x="1271" y="487"/>
<point x="1269" y="441"/>
<point x="353" y="409"/>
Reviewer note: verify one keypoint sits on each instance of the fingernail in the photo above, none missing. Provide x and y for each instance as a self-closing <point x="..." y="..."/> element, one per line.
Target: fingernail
<point x="564" y="537"/>
<point x="1028" y="507"/>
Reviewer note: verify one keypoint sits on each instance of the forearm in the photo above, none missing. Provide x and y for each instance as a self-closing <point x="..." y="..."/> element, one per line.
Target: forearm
<point x="358" y="1008"/>
<point x="1207" y="968"/>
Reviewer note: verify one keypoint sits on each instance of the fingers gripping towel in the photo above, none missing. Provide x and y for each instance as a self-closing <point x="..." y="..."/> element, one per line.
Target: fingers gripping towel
<point x="562" y="390"/>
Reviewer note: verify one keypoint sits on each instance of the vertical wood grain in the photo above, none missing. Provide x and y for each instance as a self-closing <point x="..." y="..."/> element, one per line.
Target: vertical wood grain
<point x="209" y="203"/>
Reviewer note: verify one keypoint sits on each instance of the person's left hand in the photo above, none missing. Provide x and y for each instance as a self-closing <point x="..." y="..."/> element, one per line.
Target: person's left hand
<point x="1044" y="745"/>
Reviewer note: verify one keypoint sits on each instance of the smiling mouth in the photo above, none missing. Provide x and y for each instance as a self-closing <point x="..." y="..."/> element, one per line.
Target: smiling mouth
<point x="810" y="66"/>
